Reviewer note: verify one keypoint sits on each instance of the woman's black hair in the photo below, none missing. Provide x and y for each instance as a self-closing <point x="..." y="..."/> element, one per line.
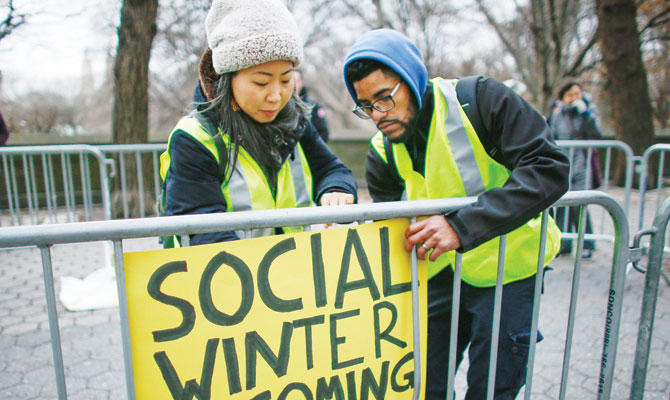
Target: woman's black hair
<point x="566" y="87"/>
<point x="263" y="141"/>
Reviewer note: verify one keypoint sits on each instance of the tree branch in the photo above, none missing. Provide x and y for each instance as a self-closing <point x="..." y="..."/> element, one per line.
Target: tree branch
<point x="657" y="20"/>
<point x="12" y="21"/>
<point x="582" y="53"/>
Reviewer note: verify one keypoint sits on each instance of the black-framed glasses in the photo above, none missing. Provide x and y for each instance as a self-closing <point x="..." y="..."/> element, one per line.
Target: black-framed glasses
<point x="383" y="104"/>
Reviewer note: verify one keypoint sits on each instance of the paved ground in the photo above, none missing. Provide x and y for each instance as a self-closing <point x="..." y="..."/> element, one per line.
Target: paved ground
<point x="92" y="345"/>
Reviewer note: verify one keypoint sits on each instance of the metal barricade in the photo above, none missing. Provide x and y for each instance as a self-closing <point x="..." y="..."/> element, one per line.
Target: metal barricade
<point x="659" y="149"/>
<point x="137" y="151"/>
<point x="118" y="230"/>
<point x="566" y="217"/>
<point x="53" y="184"/>
<point x="658" y="233"/>
<point x="608" y="146"/>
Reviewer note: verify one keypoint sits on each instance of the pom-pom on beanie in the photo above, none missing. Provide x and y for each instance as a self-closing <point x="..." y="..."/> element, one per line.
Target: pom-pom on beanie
<point x="244" y="33"/>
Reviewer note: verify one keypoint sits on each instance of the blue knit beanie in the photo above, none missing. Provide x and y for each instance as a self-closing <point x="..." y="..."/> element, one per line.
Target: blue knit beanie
<point x="395" y="50"/>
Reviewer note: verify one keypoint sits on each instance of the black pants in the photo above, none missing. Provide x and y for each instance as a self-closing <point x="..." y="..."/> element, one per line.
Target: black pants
<point x="474" y="329"/>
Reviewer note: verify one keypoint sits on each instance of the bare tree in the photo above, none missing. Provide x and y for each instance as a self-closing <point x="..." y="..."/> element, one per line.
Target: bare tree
<point x="548" y="41"/>
<point x="626" y="76"/>
<point x="654" y="20"/>
<point x="12" y="20"/>
<point x="179" y="44"/>
<point x="131" y="81"/>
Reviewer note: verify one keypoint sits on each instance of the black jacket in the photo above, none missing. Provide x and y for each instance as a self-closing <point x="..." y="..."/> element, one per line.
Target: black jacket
<point x="318" y="115"/>
<point x="193" y="186"/>
<point x="516" y="136"/>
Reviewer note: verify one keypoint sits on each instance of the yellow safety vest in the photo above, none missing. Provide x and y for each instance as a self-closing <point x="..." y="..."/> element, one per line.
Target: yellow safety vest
<point x="248" y="188"/>
<point x="457" y="166"/>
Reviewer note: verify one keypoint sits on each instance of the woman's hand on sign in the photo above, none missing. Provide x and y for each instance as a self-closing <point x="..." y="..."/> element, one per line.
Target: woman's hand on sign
<point x="337" y="199"/>
<point x="433" y="233"/>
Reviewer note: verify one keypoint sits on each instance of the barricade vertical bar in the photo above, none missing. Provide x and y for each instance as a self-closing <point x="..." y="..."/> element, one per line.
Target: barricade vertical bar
<point x="629" y="178"/>
<point x="29" y="197"/>
<point x="66" y="187"/>
<point x="614" y="305"/>
<point x="84" y="184"/>
<point x="10" y="205"/>
<point x="56" y="348"/>
<point x="416" y="324"/>
<point x="124" y="189"/>
<point x="589" y="169"/>
<point x="453" y="335"/>
<point x="123" y="315"/>
<point x="89" y="186"/>
<point x="571" y="157"/>
<point x="52" y="182"/>
<point x="659" y="178"/>
<point x="90" y="182"/>
<point x="649" y="297"/>
<point x="70" y="179"/>
<point x="573" y="303"/>
<point x="539" y="279"/>
<point x="15" y="191"/>
<point x="140" y="182"/>
<point x="154" y="159"/>
<point x="104" y="187"/>
<point x="495" y="329"/>
<point x="47" y="190"/>
<point x="608" y="164"/>
<point x="33" y="184"/>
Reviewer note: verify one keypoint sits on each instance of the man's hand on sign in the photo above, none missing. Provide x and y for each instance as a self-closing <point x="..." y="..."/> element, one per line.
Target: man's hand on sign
<point x="433" y="233"/>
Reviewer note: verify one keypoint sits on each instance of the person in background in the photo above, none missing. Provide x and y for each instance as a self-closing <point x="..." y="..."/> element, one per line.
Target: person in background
<point x="4" y="131"/>
<point x="571" y="119"/>
<point x="248" y="145"/>
<point x="318" y="113"/>
<point x="427" y="148"/>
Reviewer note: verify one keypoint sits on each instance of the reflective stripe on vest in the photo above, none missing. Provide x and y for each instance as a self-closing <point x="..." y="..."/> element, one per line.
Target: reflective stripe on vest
<point x="248" y="189"/>
<point x="457" y="166"/>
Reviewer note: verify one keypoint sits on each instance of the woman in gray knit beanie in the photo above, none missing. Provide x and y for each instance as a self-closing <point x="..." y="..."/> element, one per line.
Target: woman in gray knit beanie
<point x="249" y="144"/>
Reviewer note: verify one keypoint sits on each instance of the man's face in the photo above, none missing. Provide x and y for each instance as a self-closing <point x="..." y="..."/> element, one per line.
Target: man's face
<point x="394" y="122"/>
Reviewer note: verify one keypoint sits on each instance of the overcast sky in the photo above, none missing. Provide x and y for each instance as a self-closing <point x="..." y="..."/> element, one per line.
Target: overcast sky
<point x="47" y="52"/>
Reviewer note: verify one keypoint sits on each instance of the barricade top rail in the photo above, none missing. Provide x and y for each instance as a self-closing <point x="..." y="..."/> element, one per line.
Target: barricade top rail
<point x="43" y="235"/>
<point x="596" y="143"/>
<point x="655" y="147"/>
<point x="51" y="149"/>
<point x="132" y="147"/>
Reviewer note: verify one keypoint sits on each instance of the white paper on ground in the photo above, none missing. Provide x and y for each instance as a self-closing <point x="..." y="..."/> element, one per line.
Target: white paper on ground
<point x="97" y="290"/>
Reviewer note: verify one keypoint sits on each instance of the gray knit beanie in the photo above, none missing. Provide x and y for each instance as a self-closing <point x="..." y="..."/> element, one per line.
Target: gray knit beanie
<point x="244" y="33"/>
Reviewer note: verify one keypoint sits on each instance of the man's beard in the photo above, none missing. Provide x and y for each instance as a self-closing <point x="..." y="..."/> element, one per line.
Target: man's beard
<point x="410" y="127"/>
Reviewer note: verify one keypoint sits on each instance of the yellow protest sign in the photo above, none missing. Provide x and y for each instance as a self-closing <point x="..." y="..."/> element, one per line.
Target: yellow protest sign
<point x="311" y="315"/>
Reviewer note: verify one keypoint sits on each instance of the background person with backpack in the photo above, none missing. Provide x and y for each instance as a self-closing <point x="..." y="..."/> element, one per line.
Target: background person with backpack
<point x="318" y="118"/>
<point x="571" y="119"/>
<point x="445" y="139"/>
<point x="248" y="145"/>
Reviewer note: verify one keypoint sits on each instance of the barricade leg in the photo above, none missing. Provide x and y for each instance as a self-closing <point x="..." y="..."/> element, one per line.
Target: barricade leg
<point x="650" y="296"/>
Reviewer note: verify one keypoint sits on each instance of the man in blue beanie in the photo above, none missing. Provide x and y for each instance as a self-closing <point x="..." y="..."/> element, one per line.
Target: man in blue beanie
<point x="431" y="143"/>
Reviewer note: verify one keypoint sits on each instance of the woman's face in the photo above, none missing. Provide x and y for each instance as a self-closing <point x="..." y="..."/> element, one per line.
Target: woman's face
<point x="263" y="90"/>
<point x="574" y="93"/>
